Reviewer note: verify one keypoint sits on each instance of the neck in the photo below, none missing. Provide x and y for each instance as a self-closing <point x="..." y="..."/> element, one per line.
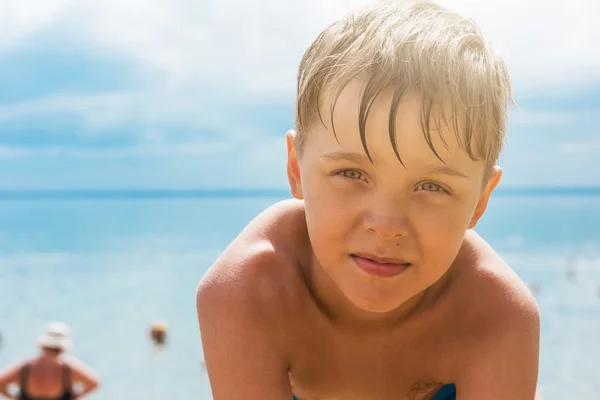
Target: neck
<point x="49" y="355"/>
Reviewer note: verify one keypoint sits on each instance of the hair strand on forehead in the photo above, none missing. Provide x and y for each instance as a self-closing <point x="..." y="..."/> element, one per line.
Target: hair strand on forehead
<point x="397" y="97"/>
<point x="370" y="93"/>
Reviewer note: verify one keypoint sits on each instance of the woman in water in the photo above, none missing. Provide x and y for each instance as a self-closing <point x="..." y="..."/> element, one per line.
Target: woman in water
<point x="49" y="376"/>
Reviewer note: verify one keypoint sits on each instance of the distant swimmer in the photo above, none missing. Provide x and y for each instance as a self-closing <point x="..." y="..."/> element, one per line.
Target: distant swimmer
<point x="49" y="376"/>
<point x="158" y="332"/>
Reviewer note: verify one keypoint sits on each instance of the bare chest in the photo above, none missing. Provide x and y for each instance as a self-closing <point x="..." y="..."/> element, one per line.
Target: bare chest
<point x="409" y="367"/>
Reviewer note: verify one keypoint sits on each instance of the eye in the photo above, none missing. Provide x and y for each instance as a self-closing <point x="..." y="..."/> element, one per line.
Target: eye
<point x="351" y="174"/>
<point x="432" y="187"/>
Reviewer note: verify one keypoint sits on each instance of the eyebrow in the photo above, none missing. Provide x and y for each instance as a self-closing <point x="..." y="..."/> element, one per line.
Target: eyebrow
<point x="360" y="158"/>
<point x="345" y="156"/>
<point x="445" y="170"/>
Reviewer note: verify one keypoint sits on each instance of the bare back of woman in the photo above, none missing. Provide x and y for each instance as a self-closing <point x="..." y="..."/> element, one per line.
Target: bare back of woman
<point x="47" y="377"/>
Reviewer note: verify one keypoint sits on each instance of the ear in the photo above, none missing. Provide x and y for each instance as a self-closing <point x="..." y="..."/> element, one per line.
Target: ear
<point x="293" y="167"/>
<point x="492" y="182"/>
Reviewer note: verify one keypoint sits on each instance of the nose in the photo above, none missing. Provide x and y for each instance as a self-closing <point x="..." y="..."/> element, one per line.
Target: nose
<point x="388" y="220"/>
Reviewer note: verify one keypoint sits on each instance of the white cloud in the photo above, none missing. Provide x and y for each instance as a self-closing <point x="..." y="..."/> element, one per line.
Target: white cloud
<point x="101" y="105"/>
<point x="162" y="150"/>
<point x="544" y="118"/>
<point x="242" y="48"/>
<point x="585" y="147"/>
<point x="545" y="42"/>
<point x="103" y="112"/>
<point x="269" y="152"/>
<point x="21" y="18"/>
<point x="239" y="161"/>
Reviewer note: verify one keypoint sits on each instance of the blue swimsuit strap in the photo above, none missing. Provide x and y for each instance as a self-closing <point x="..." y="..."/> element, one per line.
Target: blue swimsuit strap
<point x="447" y="392"/>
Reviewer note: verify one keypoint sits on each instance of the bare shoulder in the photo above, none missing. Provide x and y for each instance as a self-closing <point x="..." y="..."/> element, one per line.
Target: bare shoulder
<point x="11" y="373"/>
<point x="80" y="370"/>
<point x="498" y="313"/>
<point x="492" y="285"/>
<point x="257" y="272"/>
<point x="499" y="324"/>
<point x="245" y="303"/>
<point x="77" y="365"/>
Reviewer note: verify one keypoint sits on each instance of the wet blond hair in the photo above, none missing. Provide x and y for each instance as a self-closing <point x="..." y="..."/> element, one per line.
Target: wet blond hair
<point x="410" y="45"/>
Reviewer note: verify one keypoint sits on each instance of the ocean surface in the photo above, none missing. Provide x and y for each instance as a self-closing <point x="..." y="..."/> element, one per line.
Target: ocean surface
<point x="110" y="263"/>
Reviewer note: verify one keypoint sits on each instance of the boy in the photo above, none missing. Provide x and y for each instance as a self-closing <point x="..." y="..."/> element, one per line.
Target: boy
<point x="371" y="285"/>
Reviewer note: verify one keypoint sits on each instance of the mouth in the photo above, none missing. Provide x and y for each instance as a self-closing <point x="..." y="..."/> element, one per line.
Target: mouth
<point x="378" y="266"/>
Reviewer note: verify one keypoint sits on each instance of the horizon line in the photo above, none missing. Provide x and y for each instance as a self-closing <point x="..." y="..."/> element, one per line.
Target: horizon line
<point x="240" y="192"/>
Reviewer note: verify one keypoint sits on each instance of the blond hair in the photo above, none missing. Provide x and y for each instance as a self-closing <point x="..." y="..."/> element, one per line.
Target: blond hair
<point x="410" y="45"/>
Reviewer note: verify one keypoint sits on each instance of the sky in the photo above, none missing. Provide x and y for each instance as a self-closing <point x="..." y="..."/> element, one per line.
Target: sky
<point x="181" y="94"/>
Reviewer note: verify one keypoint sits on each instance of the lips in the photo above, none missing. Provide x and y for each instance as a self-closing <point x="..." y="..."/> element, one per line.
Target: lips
<point x="380" y="266"/>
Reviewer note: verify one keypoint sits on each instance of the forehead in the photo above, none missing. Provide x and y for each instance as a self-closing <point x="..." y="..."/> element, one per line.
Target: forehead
<point x="417" y="141"/>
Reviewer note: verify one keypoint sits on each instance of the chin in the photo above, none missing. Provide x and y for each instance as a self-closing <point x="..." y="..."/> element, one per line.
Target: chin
<point x="377" y="308"/>
<point x="376" y="302"/>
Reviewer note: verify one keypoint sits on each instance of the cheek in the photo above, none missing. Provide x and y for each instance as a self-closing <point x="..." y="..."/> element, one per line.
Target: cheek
<point x="327" y="219"/>
<point x="443" y="222"/>
<point x="441" y="230"/>
<point x="330" y="216"/>
<point x="324" y="203"/>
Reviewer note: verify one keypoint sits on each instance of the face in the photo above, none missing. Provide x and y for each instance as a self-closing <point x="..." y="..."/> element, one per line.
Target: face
<point x="384" y="232"/>
<point x="53" y="350"/>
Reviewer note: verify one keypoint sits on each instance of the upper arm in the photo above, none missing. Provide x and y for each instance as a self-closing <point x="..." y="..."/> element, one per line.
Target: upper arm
<point x="10" y="375"/>
<point x="505" y="365"/>
<point x="241" y="336"/>
<point x="82" y="373"/>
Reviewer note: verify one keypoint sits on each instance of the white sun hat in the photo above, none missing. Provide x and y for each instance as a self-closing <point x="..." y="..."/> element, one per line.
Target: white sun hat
<point x="56" y="336"/>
